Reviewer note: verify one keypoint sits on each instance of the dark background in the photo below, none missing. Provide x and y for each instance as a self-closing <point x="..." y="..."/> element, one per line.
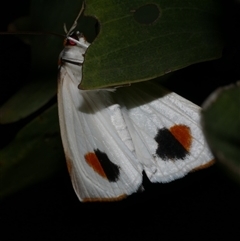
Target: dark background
<point x="203" y="205"/>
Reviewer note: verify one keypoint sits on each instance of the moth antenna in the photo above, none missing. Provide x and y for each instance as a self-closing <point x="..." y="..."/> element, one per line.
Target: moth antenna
<point x="65" y="28"/>
<point x="75" y="21"/>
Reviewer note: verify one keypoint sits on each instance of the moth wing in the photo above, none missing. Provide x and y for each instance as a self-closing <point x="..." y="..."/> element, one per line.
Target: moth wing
<point x="98" y="148"/>
<point x="166" y="131"/>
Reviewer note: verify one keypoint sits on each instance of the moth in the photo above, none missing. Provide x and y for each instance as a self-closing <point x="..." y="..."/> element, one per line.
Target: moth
<point x="110" y="137"/>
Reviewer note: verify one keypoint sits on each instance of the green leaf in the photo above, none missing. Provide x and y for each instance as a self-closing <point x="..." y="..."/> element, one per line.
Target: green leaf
<point x="221" y="125"/>
<point x="138" y="40"/>
<point x="34" y="155"/>
<point x="129" y="49"/>
<point x="28" y="100"/>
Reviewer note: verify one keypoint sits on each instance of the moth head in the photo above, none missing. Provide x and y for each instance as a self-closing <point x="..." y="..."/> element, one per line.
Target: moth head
<point x="76" y="39"/>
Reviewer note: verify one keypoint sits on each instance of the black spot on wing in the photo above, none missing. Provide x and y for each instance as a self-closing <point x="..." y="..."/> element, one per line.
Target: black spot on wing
<point x="111" y="170"/>
<point x="168" y="146"/>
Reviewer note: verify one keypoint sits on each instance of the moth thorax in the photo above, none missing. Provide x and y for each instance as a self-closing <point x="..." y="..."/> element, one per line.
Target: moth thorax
<point x="73" y="54"/>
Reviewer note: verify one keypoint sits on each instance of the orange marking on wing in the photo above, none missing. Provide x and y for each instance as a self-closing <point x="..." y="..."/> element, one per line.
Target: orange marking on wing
<point x="69" y="165"/>
<point x="183" y="134"/>
<point x="99" y="199"/>
<point x="210" y="163"/>
<point x="93" y="162"/>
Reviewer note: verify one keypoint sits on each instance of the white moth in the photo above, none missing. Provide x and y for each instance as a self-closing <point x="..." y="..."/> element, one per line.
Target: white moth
<point x="111" y="137"/>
